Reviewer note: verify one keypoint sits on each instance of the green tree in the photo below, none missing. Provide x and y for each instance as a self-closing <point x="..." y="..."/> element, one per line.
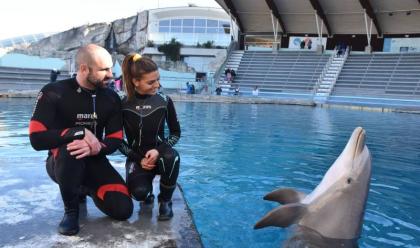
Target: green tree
<point x="150" y="43"/>
<point x="172" y="50"/>
<point x="208" y="44"/>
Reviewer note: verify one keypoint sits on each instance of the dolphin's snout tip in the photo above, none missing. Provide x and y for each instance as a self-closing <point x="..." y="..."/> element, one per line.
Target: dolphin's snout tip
<point x="257" y="226"/>
<point x="357" y="140"/>
<point x="359" y="130"/>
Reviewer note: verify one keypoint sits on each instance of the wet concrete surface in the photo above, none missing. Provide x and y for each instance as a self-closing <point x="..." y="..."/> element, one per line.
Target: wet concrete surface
<point x="31" y="208"/>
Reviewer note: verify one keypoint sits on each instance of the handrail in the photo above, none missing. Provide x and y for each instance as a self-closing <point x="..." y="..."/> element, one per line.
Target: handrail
<point x="346" y="55"/>
<point x="317" y="66"/>
<point x="393" y="71"/>
<point x="324" y="71"/>
<point x="326" y="68"/>
<point x="232" y="47"/>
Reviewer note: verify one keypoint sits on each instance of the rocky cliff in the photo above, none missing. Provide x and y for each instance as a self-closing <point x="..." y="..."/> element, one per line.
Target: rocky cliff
<point x="119" y="38"/>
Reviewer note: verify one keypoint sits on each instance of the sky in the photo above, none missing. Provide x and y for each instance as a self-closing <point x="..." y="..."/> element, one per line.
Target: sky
<point x="22" y="17"/>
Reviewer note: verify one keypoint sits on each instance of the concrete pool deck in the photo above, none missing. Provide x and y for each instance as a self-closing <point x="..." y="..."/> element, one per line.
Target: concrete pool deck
<point x="31" y="208"/>
<point x="258" y="100"/>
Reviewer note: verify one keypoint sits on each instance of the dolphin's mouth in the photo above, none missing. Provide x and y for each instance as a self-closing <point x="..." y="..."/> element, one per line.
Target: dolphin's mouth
<point x="360" y="142"/>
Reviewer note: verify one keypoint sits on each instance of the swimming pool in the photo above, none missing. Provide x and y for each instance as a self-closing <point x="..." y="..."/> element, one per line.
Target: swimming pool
<point x="233" y="154"/>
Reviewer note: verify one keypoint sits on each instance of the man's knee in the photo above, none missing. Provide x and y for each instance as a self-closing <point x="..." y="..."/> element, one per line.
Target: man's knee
<point x="121" y="206"/>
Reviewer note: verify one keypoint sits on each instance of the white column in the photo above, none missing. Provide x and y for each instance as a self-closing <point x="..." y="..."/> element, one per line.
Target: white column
<point x="368" y="32"/>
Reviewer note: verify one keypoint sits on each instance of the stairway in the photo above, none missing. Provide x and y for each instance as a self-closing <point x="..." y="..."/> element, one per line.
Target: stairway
<point x="328" y="78"/>
<point x="232" y="63"/>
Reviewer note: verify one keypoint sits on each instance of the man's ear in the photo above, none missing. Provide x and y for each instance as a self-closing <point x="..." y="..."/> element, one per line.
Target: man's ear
<point x="84" y="68"/>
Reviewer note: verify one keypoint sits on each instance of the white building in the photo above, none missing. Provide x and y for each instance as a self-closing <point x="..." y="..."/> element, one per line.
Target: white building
<point x="190" y="26"/>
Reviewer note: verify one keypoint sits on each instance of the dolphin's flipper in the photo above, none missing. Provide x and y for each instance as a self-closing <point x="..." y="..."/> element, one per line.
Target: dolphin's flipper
<point x="282" y="216"/>
<point x="285" y="196"/>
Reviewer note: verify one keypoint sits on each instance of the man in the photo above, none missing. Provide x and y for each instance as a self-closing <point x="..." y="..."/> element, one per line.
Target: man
<point x="53" y="75"/>
<point x="79" y="121"/>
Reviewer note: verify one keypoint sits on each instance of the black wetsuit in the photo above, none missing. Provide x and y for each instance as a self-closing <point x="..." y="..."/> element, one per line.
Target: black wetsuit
<point x="62" y="111"/>
<point x="144" y="120"/>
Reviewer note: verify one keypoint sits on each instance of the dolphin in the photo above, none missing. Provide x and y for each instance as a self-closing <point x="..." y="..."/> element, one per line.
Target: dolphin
<point x="334" y="210"/>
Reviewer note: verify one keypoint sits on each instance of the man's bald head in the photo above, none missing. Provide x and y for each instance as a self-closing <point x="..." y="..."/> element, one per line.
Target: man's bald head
<point x="94" y="66"/>
<point x="90" y="54"/>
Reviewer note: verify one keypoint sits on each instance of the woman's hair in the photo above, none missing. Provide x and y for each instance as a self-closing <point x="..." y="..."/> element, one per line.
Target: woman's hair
<point x="135" y="66"/>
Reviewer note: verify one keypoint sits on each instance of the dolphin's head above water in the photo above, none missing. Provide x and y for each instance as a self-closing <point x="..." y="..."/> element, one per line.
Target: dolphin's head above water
<point x="335" y="208"/>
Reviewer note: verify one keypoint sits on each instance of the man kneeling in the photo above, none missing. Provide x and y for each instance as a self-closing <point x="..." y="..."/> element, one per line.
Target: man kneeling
<point x="79" y="121"/>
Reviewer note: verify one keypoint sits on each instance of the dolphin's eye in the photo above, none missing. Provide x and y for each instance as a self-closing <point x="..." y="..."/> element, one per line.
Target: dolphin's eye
<point x="349" y="180"/>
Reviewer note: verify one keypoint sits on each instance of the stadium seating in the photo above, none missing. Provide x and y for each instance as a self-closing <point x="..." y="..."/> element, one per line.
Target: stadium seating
<point x="380" y="75"/>
<point x="283" y="72"/>
<point x="12" y="78"/>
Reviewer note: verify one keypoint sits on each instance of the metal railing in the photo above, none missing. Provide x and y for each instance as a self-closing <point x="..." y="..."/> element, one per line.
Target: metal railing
<point x="324" y="71"/>
<point x="232" y="47"/>
<point x="321" y="78"/>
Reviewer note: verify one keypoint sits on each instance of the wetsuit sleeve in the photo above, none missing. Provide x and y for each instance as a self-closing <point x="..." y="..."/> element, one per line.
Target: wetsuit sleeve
<point x="113" y="130"/>
<point x="42" y="133"/>
<point x="174" y="128"/>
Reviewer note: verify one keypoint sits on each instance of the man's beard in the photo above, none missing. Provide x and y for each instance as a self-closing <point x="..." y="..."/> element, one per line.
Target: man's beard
<point x="97" y="83"/>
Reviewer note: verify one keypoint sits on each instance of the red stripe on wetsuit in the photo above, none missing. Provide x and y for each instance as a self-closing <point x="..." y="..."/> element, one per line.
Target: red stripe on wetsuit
<point x="111" y="187"/>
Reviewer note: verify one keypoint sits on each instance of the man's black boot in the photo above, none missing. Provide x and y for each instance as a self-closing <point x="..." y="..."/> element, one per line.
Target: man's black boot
<point x="69" y="225"/>
<point x="165" y="210"/>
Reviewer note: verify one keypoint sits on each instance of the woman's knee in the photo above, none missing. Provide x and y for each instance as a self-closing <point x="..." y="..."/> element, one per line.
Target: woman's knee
<point x="140" y="192"/>
<point x="171" y="156"/>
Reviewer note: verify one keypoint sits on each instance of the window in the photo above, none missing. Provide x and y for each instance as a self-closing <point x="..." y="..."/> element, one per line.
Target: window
<point x="188" y="22"/>
<point x="223" y="24"/>
<point x="175" y="29"/>
<point x="212" y="30"/>
<point x="200" y="22"/>
<point x="187" y="29"/>
<point x="176" y="22"/>
<point x="164" y="23"/>
<point x="212" y="23"/>
<point x="199" y="30"/>
<point x="164" y="29"/>
<point x="224" y="31"/>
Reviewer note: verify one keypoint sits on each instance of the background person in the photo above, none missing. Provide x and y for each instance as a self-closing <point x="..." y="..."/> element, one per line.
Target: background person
<point x="255" y="91"/>
<point x="53" y="75"/>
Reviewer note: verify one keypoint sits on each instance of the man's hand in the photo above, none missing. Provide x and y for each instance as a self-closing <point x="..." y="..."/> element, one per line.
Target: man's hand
<point x="149" y="161"/>
<point x="93" y="142"/>
<point x="79" y="148"/>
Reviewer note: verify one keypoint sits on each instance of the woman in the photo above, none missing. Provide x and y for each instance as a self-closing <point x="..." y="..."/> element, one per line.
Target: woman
<point x="145" y="111"/>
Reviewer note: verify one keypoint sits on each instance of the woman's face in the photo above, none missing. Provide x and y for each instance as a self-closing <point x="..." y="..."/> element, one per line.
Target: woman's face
<point x="148" y="84"/>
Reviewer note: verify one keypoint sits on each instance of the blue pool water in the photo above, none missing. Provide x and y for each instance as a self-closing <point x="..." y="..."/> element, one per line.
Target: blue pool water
<point x="232" y="155"/>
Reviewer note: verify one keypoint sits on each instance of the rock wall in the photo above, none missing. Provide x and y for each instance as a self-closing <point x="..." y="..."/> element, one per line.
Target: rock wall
<point x="119" y="38"/>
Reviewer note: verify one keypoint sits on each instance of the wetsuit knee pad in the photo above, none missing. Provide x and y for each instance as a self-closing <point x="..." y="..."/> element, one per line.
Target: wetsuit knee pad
<point x="170" y="155"/>
<point x="140" y="192"/>
<point x="169" y="166"/>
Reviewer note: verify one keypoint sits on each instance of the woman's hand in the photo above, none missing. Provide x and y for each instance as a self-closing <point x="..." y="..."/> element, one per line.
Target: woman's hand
<point x="149" y="161"/>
